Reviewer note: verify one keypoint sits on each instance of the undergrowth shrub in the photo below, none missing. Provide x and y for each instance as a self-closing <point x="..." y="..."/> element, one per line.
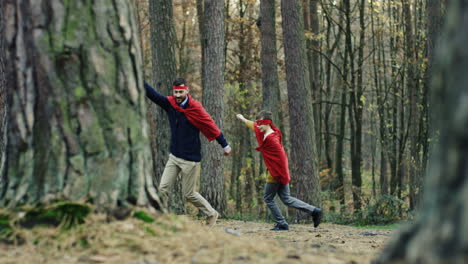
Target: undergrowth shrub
<point x="385" y="210"/>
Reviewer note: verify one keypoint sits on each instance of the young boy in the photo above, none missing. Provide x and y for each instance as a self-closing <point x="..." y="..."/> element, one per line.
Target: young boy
<point x="269" y="140"/>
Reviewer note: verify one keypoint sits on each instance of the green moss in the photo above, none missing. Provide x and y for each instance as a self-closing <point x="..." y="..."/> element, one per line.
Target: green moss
<point x="84" y="242"/>
<point x="65" y="214"/>
<point x="143" y="217"/>
<point x="150" y="231"/>
<point x="79" y="92"/>
<point x="5" y="227"/>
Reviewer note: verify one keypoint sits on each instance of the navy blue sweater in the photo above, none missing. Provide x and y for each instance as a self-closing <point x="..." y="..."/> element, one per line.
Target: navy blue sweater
<point x="185" y="137"/>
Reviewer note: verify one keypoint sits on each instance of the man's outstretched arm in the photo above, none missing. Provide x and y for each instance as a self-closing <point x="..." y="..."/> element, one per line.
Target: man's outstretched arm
<point x="223" y="142"/>
<point x="156" y="97"/>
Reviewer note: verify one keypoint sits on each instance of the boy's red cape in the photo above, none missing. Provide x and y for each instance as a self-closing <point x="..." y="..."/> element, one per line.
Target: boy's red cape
<point x="273" y="154"/>
<point x="198" y="117"/>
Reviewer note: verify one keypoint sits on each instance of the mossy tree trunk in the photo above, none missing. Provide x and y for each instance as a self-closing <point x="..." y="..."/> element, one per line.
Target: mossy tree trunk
<point x="439" y="234"/>
<point x="77" y="128"/>
<point x="303" y="158"/>
<point x="212" y="178"/>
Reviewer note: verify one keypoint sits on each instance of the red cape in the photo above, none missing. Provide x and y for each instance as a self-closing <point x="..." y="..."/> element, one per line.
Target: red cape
<point x="198" y="117"/>
<point x="273" y="154"/>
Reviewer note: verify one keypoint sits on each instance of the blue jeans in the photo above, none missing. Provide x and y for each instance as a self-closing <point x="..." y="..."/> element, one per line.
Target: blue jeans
<point x="271" y="189"/>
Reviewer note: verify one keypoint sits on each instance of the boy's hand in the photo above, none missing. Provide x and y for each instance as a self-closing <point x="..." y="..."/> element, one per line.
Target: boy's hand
<point x="240" y="117"/>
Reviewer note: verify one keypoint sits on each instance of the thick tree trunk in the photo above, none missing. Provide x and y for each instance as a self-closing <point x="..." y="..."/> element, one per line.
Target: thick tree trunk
<point x="311" y="24"/>
<point x="270" y="83"/>
<point x="77" y="121"/>
<point x="435" y="13"/>
<point x="3" y="101"/>
<point x="303" y="158"/>
<point x="200" y="14"/>
<point x="341" y="124"/>
<point x="163" y="39"/>
<point x="212" y="179"/>
<point x="439" y="234"/>
<point x="269" y="61"/>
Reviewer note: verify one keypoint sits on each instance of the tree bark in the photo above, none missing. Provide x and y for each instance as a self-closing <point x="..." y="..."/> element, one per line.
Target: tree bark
<point x="201" y="25"/>
<point x="3" y="101"/>
<point x="439" y="234"/>
<point x="163" y="39"/>
<point x="303" y="161"/>
<point x="269" y="60"/>
<point x="412" y="88"/>
<point x="311" y="24"/>
<point x="339" y="182"/>
<point x="212" y="180"/>
<point x="77" y="121"/>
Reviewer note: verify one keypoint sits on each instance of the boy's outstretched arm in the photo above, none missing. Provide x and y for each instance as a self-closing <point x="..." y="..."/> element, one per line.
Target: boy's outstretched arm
<point x="248" y="123"/>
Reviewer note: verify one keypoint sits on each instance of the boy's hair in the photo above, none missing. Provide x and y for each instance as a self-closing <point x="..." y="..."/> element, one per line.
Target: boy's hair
<point x="265" y="115"/>
<point x="179" y="81"/>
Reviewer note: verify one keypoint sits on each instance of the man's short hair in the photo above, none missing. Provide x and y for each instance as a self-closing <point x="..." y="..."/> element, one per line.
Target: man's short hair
<point x="265" y="115"/>
<point x="179" y="81"/>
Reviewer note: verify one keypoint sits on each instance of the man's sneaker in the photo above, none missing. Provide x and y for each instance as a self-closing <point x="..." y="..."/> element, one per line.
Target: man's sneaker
<point x="211" y="220"/>
<point x="317" y="216"/>
<point x="282" y="227"/>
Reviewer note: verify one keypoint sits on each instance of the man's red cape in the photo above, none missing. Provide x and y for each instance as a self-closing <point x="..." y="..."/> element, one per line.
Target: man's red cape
<point x="273" y="154"/>
<point x="198" y="117"/>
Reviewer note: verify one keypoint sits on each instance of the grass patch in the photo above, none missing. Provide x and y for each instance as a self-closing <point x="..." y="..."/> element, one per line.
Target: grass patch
<point x="143" y="217"/>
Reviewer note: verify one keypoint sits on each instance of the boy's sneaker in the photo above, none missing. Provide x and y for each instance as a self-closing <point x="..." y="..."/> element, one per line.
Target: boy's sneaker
<point x="317" y="216"/>
<point x="211" y="220"/>
<point x="282" y="227"/>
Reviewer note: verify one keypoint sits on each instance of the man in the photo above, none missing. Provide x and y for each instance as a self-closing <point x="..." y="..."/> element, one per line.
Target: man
<point x="269" y="140"/>
<point x="187" y="118"/>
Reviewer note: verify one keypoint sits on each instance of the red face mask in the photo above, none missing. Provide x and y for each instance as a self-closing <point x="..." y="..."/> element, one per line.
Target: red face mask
<point x="263" y="122"/>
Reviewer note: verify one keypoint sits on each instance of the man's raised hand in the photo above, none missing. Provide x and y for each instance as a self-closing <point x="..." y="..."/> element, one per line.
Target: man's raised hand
<point x="227" y="151"/>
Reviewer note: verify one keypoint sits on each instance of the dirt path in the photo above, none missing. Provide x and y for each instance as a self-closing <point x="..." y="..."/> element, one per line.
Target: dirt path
<point x="179" y="239"/>
<point x="328" y="243"/>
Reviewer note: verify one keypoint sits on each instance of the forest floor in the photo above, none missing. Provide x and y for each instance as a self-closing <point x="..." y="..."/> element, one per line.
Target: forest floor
<point x="180" y="239"/>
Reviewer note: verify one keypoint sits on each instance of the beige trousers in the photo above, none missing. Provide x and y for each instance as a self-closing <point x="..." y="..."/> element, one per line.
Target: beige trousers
<point x="189" y="171"/>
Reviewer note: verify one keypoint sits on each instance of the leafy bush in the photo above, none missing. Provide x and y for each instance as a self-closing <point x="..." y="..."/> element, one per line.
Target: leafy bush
<point x="385" y="210"/>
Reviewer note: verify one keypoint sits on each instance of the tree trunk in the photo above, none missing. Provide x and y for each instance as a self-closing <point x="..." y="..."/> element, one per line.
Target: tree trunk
<point x="269" y="61"/>
<point x="270" y="83"/>
<point x="381" y="97"/>
<point x="412" y="88"/>
<point x="212" y="186"/>
<point x="439" y="233"/>
<point x="200" y="14"/>
<point x="303" y="161"/>
<point x="77" y="121"/>
<point x="163" y="39"/>
<point x="339" y="184"/>
<point x="311" y="24"/>
<point x="3" y="101"/>
<point x="435" y="14"/>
